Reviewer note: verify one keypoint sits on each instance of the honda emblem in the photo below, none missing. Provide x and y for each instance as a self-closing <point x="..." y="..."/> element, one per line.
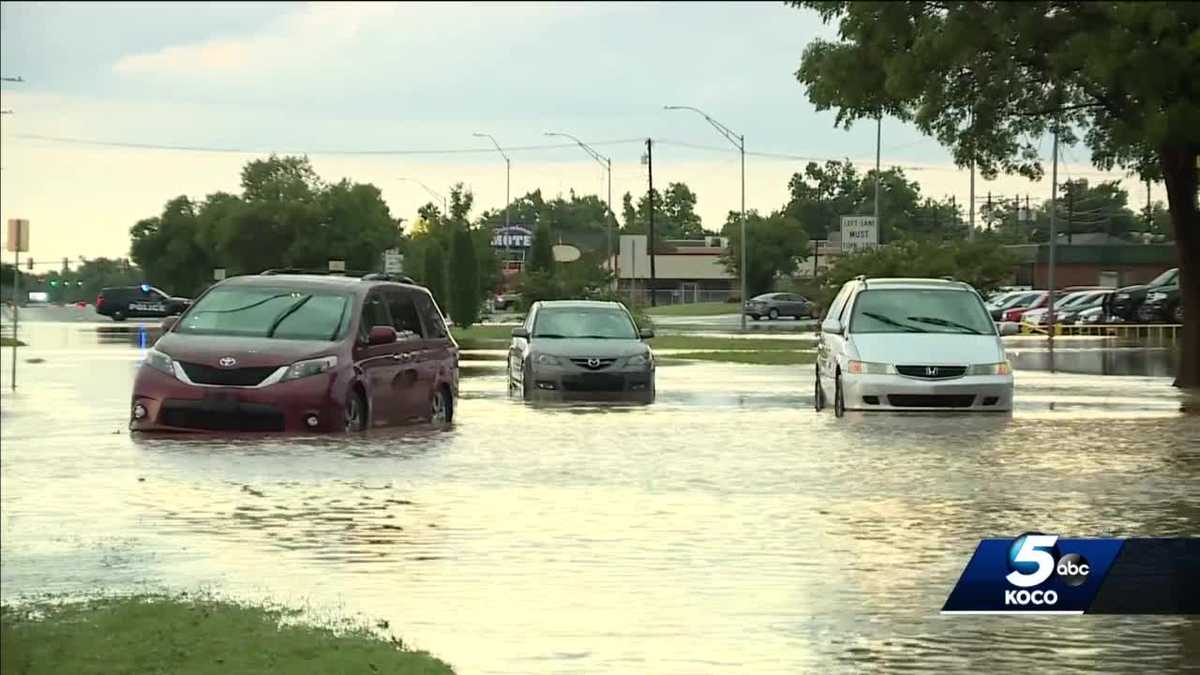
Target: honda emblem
<point x="931" y="371"/>
<point x="227" y="362"/>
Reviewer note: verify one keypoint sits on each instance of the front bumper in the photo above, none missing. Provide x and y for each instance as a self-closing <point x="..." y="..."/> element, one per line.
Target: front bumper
<point x="172" y="405"/>
<point x="983" y="393"/>
<point x="612" y="383"/>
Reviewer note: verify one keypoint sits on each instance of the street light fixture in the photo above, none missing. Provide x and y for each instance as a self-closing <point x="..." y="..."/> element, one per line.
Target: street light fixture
<point x="431" y="191"/>
<point x="738" y="141"/>
<point x="605" y="162"/>
<point x="507" y="172"/>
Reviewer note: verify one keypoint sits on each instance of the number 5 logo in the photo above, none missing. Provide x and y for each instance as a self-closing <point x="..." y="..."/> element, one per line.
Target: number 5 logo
<point x="1030" y="551"/>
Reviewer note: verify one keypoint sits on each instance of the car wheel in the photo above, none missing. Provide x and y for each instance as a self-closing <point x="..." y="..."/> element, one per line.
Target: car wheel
<point x="839" y="399"/>
<point x="356" y="412"/>
<point x="441" y="408"/>
<point x="118" y="315"/>
<point x="1177" y="313"/>
<point x="818" y="395"/>
<point x="526" y="383"/>
<point x="773" y="314"/>
<point x="1145" y="315"/>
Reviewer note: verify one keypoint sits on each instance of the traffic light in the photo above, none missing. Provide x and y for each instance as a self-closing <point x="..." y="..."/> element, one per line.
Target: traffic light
<point x="54" y="283"/>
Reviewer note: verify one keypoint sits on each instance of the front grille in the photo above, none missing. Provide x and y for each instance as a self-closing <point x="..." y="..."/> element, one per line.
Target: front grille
<point x="600" y="364"/>
<point x="932" y="372"/>
<point x="220" y="416"/>
<point x="228" y="377"/>
<point x="594" y="382"/>
<point x="931" y="400"/>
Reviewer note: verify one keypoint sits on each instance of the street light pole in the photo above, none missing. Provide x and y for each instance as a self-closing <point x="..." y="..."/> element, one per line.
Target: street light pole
<point x="507" y="174"/>
<point x="605" y="162"/>
<point x="431" y="191"/>
<point x="739" y="141"/>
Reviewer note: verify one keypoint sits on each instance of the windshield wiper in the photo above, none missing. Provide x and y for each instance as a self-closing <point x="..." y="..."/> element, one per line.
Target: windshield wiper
<point x="603" y="337"/>
<point x="243" y="308"/>
<point x="548" y="335"/>
<point x="892" y="322"/>
<point x="943" y="322"/>
<point x="286" y="313"/>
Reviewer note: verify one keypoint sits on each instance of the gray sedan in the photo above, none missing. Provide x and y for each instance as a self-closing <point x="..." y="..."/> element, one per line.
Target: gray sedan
<point x="775" y="305"/>
<point x="581" y="348"/>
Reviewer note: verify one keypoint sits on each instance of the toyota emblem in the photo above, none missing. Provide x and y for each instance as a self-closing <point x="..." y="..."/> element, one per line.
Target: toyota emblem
<point x="593" y="362"/>
<point x="227" y="362"/>
<point x="931" y="371"/>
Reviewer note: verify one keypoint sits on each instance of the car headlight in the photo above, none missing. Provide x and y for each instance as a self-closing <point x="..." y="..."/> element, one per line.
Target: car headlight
<point x="868" y="368"/>
<point x="1156" y="297"/>
<point x="547" y="360"/>
<point x="159" y="361"/>
<point x="1002" y="368"/>
<point x="310" y="367"/>
<point x="640" y="360"/>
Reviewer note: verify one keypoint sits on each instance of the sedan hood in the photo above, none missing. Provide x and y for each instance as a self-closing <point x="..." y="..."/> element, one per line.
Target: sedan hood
<point x="939" y="349"/>
<point x="249" y="352"/>
<point x="583" y="347"/>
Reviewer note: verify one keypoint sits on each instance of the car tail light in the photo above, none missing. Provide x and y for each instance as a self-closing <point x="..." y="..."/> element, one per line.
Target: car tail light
<point x="99" y="300"/>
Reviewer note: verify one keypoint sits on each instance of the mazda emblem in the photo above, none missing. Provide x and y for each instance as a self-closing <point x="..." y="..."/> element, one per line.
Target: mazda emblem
<point x="931" y="371"/>
<point x="593" y="362"/>
<point x="227" y="362"/>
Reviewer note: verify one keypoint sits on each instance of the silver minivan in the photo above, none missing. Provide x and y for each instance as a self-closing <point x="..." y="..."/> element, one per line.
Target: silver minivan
<point x="911" y="344"/>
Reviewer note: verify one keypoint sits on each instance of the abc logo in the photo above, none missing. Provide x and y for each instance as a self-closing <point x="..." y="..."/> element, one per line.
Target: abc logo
<point x="1032" y="559"/>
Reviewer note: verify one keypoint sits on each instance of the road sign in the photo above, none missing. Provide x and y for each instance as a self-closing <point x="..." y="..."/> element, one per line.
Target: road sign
<point x="18" y="235"/>
<point x="393" y="261"/>
<point x="859" y="232"/>
<point x="565" y="253"/>
<point x="218" y="274"/>
<point x="337" y="265"/>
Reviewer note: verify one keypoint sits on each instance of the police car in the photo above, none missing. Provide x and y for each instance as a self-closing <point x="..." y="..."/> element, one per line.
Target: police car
<point x="122" y="302"/>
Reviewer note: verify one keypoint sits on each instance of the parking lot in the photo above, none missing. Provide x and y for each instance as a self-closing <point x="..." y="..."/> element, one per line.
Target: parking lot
<point x="725" y="527"/>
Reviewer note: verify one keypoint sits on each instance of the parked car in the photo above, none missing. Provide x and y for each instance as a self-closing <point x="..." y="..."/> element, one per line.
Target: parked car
<point x="1092" y="300"/>
<point x="1014" y="314"/>
<point x="1126" y="301"/>
<point x="1005" y="301"/>
<point x="581" y="348"/>
<point x="145" y="301"/>
<point x="775" y="305"/>
<point x="506" y="301"/>
<point x="1091" y="316"/>
<point x="911" y="344"/>
<point x="297" y="352"/>
<point x="1162" y="304"/>
<point x="1064" y="307"/>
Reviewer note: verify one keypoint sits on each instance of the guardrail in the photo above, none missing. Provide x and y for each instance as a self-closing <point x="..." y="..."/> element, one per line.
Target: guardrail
<point x="1169" y="331"/>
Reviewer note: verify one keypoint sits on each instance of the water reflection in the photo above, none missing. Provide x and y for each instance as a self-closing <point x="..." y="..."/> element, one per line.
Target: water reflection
<point x="1105" y="356"/>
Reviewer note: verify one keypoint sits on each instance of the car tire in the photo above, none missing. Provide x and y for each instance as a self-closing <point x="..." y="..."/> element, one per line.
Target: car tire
<point x="526" y="384"/>
<point x="818" y="395"/>
<point x="1177" y="313"/>
<point x="839" y="398"/>
<point x="441" y="406"/>
<point x="773" y="314"/>
<point x="356" y="412"/>
<point x="117" y="315"/>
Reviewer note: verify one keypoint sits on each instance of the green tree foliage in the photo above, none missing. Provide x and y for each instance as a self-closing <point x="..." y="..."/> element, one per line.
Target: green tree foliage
<point x="541" y="253"/>
<point x="583" y="279"/>
<point x="777" y="244"/>
<point x="285" y="217"/>
<point x="464" y="280"/>
<point x="433" y="274"/>
<point x="675" y="214"/>
<point x="989" y="80"/>
<point x="983" y="264"/>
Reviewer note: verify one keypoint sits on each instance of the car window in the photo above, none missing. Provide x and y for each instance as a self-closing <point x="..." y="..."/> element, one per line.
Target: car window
<point x="435" y="326"/>
<point x="281" y="313"/>
<point x="584" y="322"/>
<point x="835" y="307"/>
<point x="403" y="311"/>
<point x="1165" y="278"/>
<point x="374" y="313"/>
<point x="919" y="311"/>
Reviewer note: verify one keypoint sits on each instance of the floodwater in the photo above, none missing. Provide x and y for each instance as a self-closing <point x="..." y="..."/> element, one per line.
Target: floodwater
<point x="725" y="528"/>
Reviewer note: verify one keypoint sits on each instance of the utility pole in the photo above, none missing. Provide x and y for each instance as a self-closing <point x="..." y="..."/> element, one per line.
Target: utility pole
<point x="1053" y="235"/>
<point x="988" y="218"/>
<point x="1070" y="211"/>
<point x="1149" y="213"/>
<point x="650" y="237"/>
<point x="878" y="138"/>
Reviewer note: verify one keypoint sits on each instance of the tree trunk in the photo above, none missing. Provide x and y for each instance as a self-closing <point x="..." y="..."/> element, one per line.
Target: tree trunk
<point x="1180" y="175"/>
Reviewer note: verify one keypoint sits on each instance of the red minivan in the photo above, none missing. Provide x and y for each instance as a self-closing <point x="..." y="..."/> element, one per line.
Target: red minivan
<point x="299" y="352"/>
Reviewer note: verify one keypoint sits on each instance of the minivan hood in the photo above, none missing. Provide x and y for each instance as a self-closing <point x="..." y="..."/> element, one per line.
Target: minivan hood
<point x="249" y="352"/>
<point x="584" y="347"/>
<point x="940" y="349"/>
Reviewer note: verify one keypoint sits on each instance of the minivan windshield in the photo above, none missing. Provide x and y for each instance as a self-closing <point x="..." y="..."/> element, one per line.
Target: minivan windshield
<point x="584" y="322"/>
<point x="283" y="313"/>
<point x="912" y="310"/>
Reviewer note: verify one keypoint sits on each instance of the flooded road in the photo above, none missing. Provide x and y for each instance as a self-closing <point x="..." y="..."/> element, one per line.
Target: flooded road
<point x="726" y="528"/>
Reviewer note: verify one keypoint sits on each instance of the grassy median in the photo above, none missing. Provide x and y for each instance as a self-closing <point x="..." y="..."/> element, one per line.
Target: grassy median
<point x="694" y="309"/>
<point x="10" y="342"/>
<point x="190" y="636"/>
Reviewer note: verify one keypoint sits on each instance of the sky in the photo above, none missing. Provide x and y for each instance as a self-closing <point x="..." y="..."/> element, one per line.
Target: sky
<point x="374" y="91"/>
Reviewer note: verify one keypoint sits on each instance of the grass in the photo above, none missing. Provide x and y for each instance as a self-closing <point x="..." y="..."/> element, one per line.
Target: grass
<point x="483" y="336"/>
<point x="191" y="636"/>
<point x="760" y="358"/>
<point x="708" y="343"/>
<point x="9" y="342"/>
<point x="694" y="309"/>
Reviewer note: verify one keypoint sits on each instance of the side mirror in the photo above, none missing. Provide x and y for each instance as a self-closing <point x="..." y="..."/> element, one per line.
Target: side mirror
<point x="646" y="333"/>
<point x="169" y="323"/>
<point x="832" y="326"/>
<point x="381" y="335"/>
<point x="1009" y="328"/>
<point x="520" y="332"/>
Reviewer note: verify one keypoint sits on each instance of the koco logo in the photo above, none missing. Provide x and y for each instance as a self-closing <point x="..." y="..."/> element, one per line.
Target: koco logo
<point x="1034" y="558"/>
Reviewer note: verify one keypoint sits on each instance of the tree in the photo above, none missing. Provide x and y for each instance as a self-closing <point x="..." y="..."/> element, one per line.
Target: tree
<point x="988" y="79"/>
<point x="777" y="244"/>
<point x="464" y="281"/>
<point x="433" y="275"/>
<point x="166" y="247"/>
<point x="985" y="265"/>
<point x="675" y="216"/>
<point x="541" y="253"/>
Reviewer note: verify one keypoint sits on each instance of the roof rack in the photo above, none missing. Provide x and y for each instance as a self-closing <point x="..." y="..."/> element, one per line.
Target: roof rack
<point x="386" y="276"/>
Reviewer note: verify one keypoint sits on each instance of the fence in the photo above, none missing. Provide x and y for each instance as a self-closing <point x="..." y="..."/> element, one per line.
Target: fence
<point x="1168" y="331"/>
<point x="676" y="296"/>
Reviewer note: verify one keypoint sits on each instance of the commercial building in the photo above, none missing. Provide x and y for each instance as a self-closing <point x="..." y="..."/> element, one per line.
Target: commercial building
<point x="1112" y="264"/>
<point x="685" y="270"/>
